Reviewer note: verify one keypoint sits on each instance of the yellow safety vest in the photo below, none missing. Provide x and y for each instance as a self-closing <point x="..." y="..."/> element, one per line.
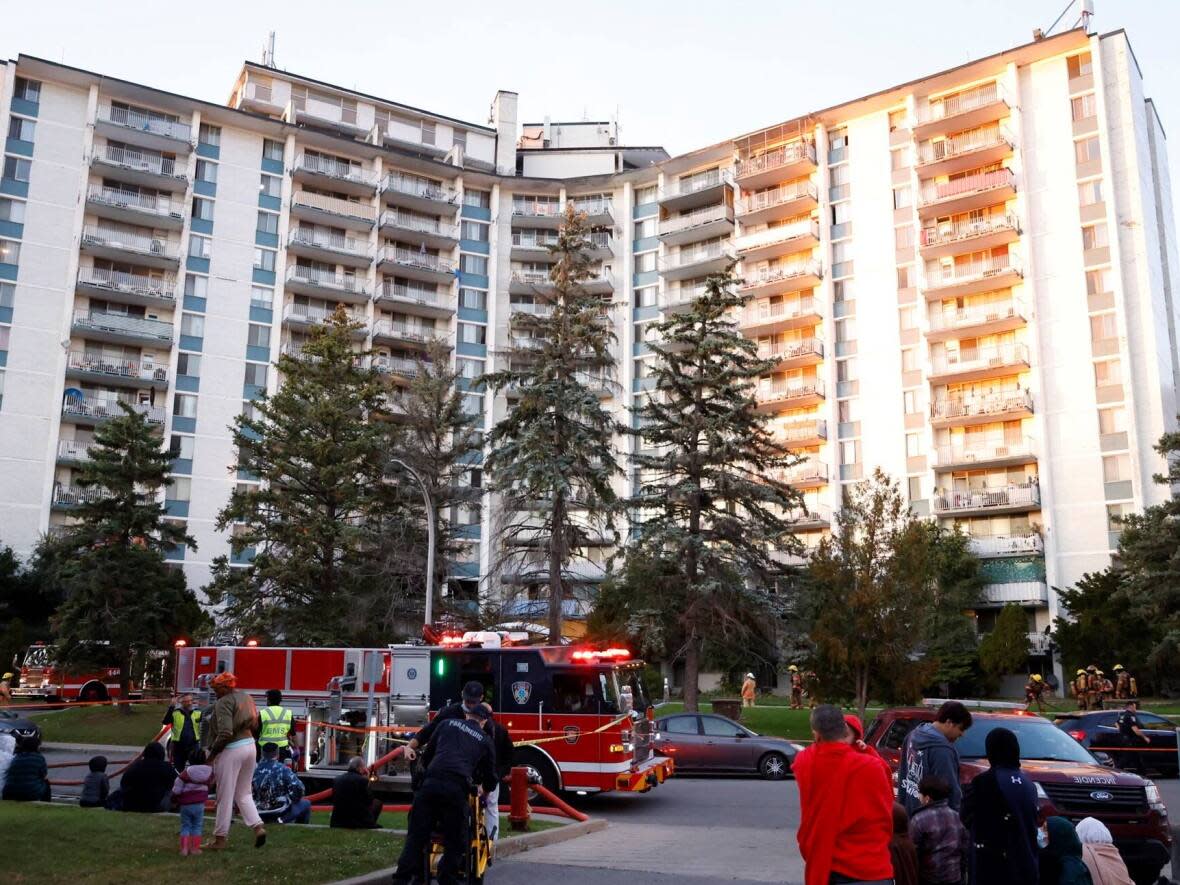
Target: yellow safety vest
<point x="178" y="723"/>
<point x="276" y="723"/>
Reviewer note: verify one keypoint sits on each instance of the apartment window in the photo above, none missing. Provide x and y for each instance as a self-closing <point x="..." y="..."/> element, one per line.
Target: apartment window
<point x="1108" y="373"/>
<point x="206" y="171"/>
<point x="474" y="230"/>
<point x="12" y="210"/>
<point x="193" y="325"/>
<point x="1079" y="65"/>
<point x="897" y="120"/>
<point x="1116" y="467"/>
<point x="470" y="333"/>
<point x="459" y="139"/>
<point x="647" y="297"/>
<point x="468" y="368"/>
<point x="907" y="317"/>
<point x="482" y="199"/>
<point x="180" y="489"/>
<point x="268" y="223"/>
<point x="903" y="197"/>
<point x="844" y="290"/>
<point x="9" y="252"/>
<point x="261" y="296"/>
<point x="200" y="247"/>
<point x="474" y="299"/>
<point x="841" y="252"/>
<point x="913" y="445"/>
<point x="914" y="487"/>
<point x="270" y="185"/>
<point x="905" y="276"/>
<point x="1098" y="281"/>
<point x="202" y="209"/>
<point x="7" y="295"/>
<point x="841" y="213"/>
<point x="264" y="259"/>
<point x="848" y="411"/>
<point x="903" y="237"/>
<point x="472" y="404"/>
<point x="21" y="129"/>
<point x="645" y="262"/>
<point x="189" y="364"/>
<point x="837" y="145"/>
<point x="901" y="158"/>
<point x="26" y="90"/>
<point x="1084" y="106"/>
<point x="1090" y="192"/>
<point x="5" y="331"/>
<point x="17" y="168"/>
<point x="645" y="228"/>
<point x="1094" y="236"/>
<point x="1103" y="327"/>
<point x="1087" y="149"/>
<point x="846" y="370"/>
<point x="182" y="447"/>
<point x="845" y="330"/>
<point x="909" y="359"/>
<point x="848" y="451"/>
<point x="645" y="195"/>
<point x="474" y="264"/>
<point x="208" y="134"/>
<point x="184" y="405"/>
<point x="195" y="286"/>
<point x="272" y="150"/>
<point x="256" y="374"/>
<point x="909" y="402"/>
<point x="1114" y="516"/>
<point x="1112" y="420"/>
<point x="428" y="132"/>
<point x="258" y="335"/>
<point x="838" y="183"/>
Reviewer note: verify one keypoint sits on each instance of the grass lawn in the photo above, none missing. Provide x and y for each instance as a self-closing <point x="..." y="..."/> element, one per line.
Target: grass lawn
<point x="62" y="845"/>
<point x="102" y="725"/>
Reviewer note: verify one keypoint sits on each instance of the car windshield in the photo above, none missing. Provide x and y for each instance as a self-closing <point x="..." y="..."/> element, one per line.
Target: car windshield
<point x="1039" y="739"/>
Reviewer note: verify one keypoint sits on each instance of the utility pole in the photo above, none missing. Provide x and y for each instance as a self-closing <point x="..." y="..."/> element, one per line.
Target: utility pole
<point x="430" y="520"/>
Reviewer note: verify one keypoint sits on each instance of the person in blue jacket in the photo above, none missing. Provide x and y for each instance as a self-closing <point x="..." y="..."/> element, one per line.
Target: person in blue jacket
<point x="930" y="749"/>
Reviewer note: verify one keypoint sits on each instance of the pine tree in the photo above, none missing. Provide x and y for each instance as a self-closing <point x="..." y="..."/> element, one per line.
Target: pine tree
<point x="551" y="459"/>
<point x="711" y="500"/>
<point x="121" y="598"/>
<point x="316" y="519"/>
<point x="1005" y="649"/>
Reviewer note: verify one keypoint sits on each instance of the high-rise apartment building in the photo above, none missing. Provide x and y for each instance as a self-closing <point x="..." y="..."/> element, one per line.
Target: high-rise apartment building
<point x="965" y="280"/>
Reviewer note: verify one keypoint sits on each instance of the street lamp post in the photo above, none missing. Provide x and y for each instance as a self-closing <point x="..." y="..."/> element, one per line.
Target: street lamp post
<point x="429" y="537"/>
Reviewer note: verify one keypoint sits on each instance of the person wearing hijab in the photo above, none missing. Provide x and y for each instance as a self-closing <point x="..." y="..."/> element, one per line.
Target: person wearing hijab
<point x="1001" y="816"/>
<point x="1101" y="858"/>
<point x="901" y="849"/>
<point x="1061" y="859"/>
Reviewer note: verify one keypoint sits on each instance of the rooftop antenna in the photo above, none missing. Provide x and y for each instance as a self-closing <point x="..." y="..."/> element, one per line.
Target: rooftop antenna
<point x="268" y="51"/>
<point x="1086" y="10"/>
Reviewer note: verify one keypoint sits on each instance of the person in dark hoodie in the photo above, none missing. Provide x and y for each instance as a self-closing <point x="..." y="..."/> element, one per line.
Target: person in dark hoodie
<point x="1061" y="859"/>
<point x="96" y="787"/>
<point x="1000" y="813"/>
<point x="902" y="853"/>
<point x="147" y="782"/>
<point x="930" y="749"/>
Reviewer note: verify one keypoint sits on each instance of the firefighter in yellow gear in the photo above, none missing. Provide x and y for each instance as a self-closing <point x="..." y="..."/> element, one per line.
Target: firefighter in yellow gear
<point x="796" y="688"/>
<point x="1080" y="686"/>
<point x="277" y="724"/>
<point x="1106" y="691"/>
<point x="1093" y="687"/>
<point x="6" y="689"/>
<point x="1034" y="690"/>
<point x="1125" y="687"/>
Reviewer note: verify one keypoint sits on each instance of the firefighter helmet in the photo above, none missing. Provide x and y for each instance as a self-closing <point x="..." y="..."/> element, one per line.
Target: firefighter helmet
<point x="1118" y="667"/>
<point x="1036" y="677"/>
<point x="793" y="668"/>
<point x="7" y="676"/>
<point x="1081" y="672"/>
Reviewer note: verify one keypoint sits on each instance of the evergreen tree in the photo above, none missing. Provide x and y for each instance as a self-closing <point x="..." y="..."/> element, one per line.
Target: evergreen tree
<point x="1097" y="626"/>
<point x="950" y="643"/>
<point x="121" y="598"/>
<point x="1005" y="649"/>
<point x="315" y="521"/>
<point x="29" y="596"/>
<point x="551" y="459"/>
<point x="710" y="500"/>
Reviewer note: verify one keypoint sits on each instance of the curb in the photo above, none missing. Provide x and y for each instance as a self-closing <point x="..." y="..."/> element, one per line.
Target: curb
<point x="91" y="748"/>
<point x="506" y="847"/>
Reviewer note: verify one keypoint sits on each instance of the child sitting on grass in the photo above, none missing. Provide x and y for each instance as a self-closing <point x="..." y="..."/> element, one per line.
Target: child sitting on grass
<point x="191" y="791"/>
<point x="97" y="786"/>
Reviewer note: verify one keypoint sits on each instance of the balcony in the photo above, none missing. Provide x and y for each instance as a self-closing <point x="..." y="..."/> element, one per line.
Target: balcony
<point x="973" y="457"/>
<point x="533" y="245"/>
<point x="154" y="210"/>
<point x="135" y="248"/>
<point x="536" y="213"/>
<point x="599" y="212"/>
<point x="785" y="201"/>
<point x="329" y="247"/>
<point x="802" y="434"/>
<point x="72" y="451"/>
<point x="810" y="473"/>
<point x="352" y="214"/>
<point x="781" y="240"/>
<point x="116" y="328"/>
<point x="127" y="288"/>
<point x="962" y="411"/>
<point x="791" y="160"/>
<point x="977" y="191"/>
<point x="136" y="167"/>
<point x="143" y="128"/>
<point x="414" y="300"/>
<point x="679" y="298"/>
<point x="91" y="410"/>
<point x="692" y="191"/>
<point x="986" y="274"/>
<point x="793" y="276"/>
<point x="415" y="193"/>
<point x="306" y="316"/>
<point x="993" y="546"/>
<point x="1033" y="594"/>
<point x="765" y="317"/>
<point x="331" y="114"/>
<point x="333" y="174"/>
<point x="389" y="332"/>
<point x="704" y="223"/>
<point x="687" y="263"/>
<point x="530" y="282"/>
<point x="796" y="395"/>
<point x="813" y="517"/>
<point x="399" y="369"/>
<point x="116" y="372"/>
<point x="968" y="235"/>
<point x="792" y="354"/>
<point x="259" y="98"/>
<point x="979" y="362"/>
<point x="416" y="264"/>
<point x="327" y="284"/>
<point x="68" y="497"/>
<point x="418" y="230"/>
<point x="1020" y="498"/>
<point x="963" y="110"/>
<point x="987" y="319"/>
<point x="967" y="150"/>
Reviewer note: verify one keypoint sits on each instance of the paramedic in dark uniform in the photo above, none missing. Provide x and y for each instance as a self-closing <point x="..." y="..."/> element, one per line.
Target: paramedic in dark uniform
<point x="473" y="693"/>
<point x="463" y="755"/>
<point x="1132" y="736"/>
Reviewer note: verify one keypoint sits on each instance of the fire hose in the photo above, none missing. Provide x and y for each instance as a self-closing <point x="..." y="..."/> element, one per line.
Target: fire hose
<point x="163" y="731"/>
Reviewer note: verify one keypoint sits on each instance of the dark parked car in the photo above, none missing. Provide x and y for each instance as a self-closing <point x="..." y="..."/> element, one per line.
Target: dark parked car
<point x="1099" y="732"/>
<point x="707" y="742"/>
<point x="13" y="723"/>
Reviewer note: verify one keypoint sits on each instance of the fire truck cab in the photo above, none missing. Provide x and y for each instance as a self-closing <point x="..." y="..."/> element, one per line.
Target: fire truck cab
<point x="41" y="678"/>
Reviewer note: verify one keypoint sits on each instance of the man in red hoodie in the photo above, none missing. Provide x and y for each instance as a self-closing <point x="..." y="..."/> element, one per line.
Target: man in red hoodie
<point x="846" y="802"/>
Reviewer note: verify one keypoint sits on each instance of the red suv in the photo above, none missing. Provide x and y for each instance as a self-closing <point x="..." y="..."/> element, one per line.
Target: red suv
<point x="1070" y="782"/>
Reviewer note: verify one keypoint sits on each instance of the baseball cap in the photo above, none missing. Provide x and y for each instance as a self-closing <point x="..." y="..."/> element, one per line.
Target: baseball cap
<point x="480" y="712"/>
<point x="473" y="692"/>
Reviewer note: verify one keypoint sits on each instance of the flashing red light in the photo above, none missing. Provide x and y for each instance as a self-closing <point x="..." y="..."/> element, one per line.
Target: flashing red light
<point x="1078" y="736"/>
<point x="251" y="643"/>
<point x="451" y="639"/>
<point x="180" y="643"/>
<point x="609" y="654"/>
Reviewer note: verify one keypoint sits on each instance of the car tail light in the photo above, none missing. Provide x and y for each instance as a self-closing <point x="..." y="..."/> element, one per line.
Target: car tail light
<point x="1078" y="736"/>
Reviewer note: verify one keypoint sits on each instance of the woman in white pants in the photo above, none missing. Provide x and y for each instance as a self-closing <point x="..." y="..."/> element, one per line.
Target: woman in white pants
<point x="232" y="725"/>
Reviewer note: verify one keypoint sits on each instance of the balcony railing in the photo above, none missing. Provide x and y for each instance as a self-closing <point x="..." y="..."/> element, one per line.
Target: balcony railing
<point x="766" y="311"/>
<point x="980" y="358"/>
<point x="942" y="320"/>
<point x="130" y="283"/>
<point x="145" y="122"/>
<point x="594" y="206"/>
<point x="674" y="295"/>
<point x="529" y="240"/>
<point x="156" y="204"/>
<point x="395" y="365"/>
<point x="784" y="193"/>
<point x="117" y="322"/>
<point x="806" y="471"/>
<point x="1030" y="593"/>
<point x="968" y="229"/>
<point x="418" y="223"/>
<point x="334" y="205"/>
<point x="115" y="239"/>
<point x="688" y="257"/>
<point x="414" y="258"/>
<point x="797" y="431"/>
<point x="329" y="279"/>
<point x="91" y="362"/>
<point x="536" y="209"/>
<point x="981" y="453"/>
<point x="332" y="242"/>
<point x="404" y="331"/>
<point x="336" y="169"/>
<point x="692" y="184"/>
<point x="413" y="187"/>
<point x="781" y="272"/>
<point x="937" y="191"/>
<point x="73" y="450"/>
<point x="695" y="218"/>
<point x="774" y="159"/>
<point x="99" y="408"/>
<point x="1023" y="494"/>
<point x="988" y="404"/>
<point x="390" y="289"/>
<point x="960" y="103"/>
<point x="137" y="160"/>
<point x="1007" y="545"/>
<point x="963" y="143"/>
<point x="798" y="390"/>
<point x="791" y="350"/>
<point x="780" y="234"/>
<point x="71" y="496"/>
<point x="309" y="313"/>
<point x="938" y="275"/>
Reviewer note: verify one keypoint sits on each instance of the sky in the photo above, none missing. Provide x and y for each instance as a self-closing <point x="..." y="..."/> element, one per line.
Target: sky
<point x="678" y="73"/>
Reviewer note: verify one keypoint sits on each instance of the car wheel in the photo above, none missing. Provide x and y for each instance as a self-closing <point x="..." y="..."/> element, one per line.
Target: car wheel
<point x="774" y="766"/>
<point x="92" y="693"/>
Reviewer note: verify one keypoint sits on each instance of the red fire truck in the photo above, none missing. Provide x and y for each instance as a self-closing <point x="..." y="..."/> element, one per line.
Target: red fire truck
<point x="583" y="712"/>
<point x="41" y="678"/>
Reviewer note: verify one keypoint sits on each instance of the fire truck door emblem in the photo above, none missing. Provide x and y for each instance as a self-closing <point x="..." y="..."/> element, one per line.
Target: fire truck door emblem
<point x="572" y="733"/>
<point x="521" y="692"/>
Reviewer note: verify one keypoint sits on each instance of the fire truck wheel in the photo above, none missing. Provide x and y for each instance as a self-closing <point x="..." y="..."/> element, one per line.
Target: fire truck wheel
<point x="539" y="769"/>
<point x="773" y="766"/>
<point x="93" y="691"/>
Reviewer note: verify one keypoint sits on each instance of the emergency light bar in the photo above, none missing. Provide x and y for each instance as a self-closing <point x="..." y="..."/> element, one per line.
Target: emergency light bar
<point x="609" y="654"/>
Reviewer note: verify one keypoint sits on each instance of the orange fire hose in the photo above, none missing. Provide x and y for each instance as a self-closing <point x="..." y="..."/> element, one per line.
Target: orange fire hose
<point x="159" y="734"/>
